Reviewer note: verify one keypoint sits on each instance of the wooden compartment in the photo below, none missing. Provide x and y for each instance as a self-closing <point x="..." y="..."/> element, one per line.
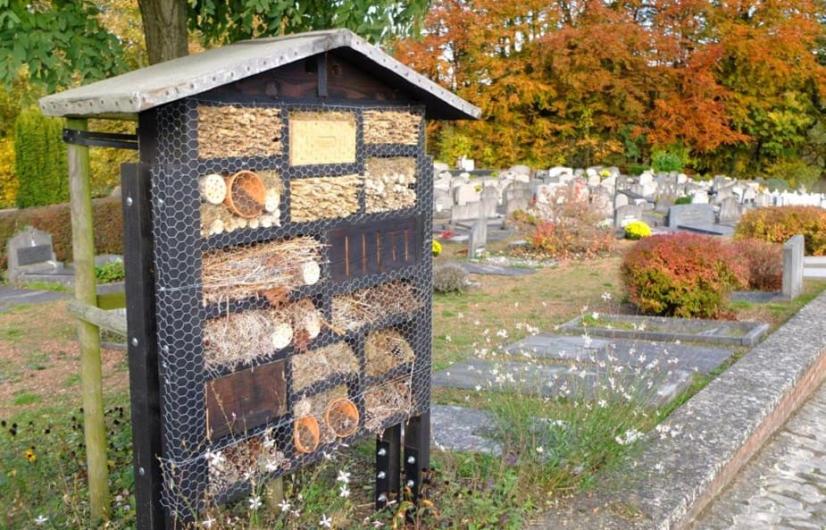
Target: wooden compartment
<point x="389" y="183"/>
<point x="322" y="138"/>
<point x="231" y="131"/>
<point x="391" y="127"/>
<point x="318" y="198"/>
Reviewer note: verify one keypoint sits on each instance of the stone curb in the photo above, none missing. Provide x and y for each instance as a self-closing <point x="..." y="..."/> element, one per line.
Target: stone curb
<point x="718" y="431"/>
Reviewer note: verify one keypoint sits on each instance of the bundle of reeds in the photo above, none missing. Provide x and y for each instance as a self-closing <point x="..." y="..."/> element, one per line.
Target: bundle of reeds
<point x="383" y="401"/>
<point x="243" y="461"/>
<point x="321" y="363"/>
<point x="260" y="269"/>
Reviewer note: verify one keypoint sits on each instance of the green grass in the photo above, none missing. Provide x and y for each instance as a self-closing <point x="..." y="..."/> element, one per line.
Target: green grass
<point x="40" y="285"/>
<point x="26" y="398"/>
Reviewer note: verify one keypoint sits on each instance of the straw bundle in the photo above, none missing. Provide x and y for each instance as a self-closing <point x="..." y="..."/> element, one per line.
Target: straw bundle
<point x="324" y="197"/>
<point x="228" y="130"/>
<point x="239" y="338"/>
<point x="391" y="127"/>
<point x="386" y="349"/>
<point x="245" y="460"/>
<point x="316" y="406"/>
<point x="271" y="268"/>
<point x="388" y="183"/>
<point x="370" y="305"/>
<point x="386" y="400"/>
<point x="321" y="363"/>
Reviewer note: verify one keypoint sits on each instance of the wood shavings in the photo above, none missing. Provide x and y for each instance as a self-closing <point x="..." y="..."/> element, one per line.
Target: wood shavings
<point x="324" y="198"/>
<point x="229" y="130"/>
<point x="389" y="183"/>
<point x="384" y="350"/>
<point x="386" y="400"/>
<point x="391" y="127"/>
<point x="367" y="306"/>
<point x="321" y="363"/>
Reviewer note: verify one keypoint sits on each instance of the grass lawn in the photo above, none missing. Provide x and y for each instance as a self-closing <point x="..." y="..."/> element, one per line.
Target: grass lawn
<point x="41" y="442"/>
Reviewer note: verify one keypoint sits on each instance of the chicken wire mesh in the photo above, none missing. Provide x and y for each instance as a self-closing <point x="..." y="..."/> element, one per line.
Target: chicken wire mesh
<point x="292" y="286"/>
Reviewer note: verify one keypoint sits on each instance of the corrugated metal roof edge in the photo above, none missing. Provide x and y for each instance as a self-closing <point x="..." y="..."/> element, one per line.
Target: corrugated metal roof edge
<point x="85" y="102"/>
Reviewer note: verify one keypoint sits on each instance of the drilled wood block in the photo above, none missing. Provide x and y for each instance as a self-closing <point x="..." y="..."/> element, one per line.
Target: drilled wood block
<point x="322" y="138"/>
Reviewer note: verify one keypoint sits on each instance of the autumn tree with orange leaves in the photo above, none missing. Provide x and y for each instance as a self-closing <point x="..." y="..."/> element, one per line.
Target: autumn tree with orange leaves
<point x="735" y="87"/>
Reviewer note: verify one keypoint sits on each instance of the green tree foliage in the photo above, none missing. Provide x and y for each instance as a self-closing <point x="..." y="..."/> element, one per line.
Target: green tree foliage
<point x="40" y="160"/>
<point x="58" y="43"/>
<point x="221" y="21"/>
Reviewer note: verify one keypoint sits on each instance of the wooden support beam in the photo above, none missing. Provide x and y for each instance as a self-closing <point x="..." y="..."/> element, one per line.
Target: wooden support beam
<point x="83" y="252"/>
<point x="113" y="320"/>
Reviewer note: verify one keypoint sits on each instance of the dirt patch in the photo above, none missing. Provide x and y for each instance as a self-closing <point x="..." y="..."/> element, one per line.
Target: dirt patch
<point x="40" y="363"/>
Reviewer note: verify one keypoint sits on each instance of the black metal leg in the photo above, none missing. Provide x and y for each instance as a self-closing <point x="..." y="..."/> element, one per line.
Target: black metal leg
<point x="416" y="453"/>
<point x="388" y="471"/>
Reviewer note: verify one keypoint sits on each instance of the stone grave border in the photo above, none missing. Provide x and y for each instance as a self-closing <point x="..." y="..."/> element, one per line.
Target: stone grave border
<point x="755" y="330"/>
<point x="676" y="478"/>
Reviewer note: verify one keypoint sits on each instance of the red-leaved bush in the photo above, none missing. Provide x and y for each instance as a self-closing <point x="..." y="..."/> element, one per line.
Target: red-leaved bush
<point x="565" y="225"/>
<point x="764" y="262"/>
<point x="684" y="275"/>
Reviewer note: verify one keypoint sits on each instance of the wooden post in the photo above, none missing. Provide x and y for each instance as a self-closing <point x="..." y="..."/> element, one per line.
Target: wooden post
<point x="83" y="251"/>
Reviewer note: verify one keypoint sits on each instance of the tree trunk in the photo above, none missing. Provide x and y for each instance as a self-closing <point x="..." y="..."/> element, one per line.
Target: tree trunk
<point x="164" y="27"/>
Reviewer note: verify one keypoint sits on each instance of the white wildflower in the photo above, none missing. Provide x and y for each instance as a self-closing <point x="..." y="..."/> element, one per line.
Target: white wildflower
<point x="343" y="476"/>
<point x="40" y="520"/>
<point x="255" y="502"/>
<point x="326" y="522"/>
<point x="606" y="296"/>
<point x="284" y="505"/>
<point x="344" y="491"/>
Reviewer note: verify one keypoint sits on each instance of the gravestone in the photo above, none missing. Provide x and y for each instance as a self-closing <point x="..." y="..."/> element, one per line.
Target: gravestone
<point x="699" y="197"/>
<point x="478" y="238"/>
<point x="517" y="196"/>
<point x="690" y="215"/>
<point x="465" y="193"/>
<point x="627" y="214"/>
<point x="620" y="200"/>
<point x="465" y="212"/>
<point x="793" y="267"/>
<point x="601" y="202"/>
<point x="490" y="199"/>
<point x="442" y="202"/>
<point x="729" y="210"/>
<point x="31" y="252"/>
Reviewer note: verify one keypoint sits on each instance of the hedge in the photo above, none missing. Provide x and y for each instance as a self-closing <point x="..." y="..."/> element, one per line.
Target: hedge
<point x="777" y="224"/>
<point x="56" y="220"/>
<point x="40" y="160"/>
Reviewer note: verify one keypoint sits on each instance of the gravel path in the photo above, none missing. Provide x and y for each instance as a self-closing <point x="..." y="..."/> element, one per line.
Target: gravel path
<point x="784" y="486"/>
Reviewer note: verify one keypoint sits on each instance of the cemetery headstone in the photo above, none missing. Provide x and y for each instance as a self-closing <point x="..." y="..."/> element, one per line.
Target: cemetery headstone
<point x="627" y="214"/>
<point x="478" y="238"/>
<point x="729" y="211"/>
<point x="690" y="215"/>
<point x="490" y="199"/>
<point x="793" y="267"/>
<point x="31" y="252"/>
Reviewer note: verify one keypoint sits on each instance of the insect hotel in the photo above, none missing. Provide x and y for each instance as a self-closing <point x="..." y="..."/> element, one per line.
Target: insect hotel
<point x="277" y="245"/>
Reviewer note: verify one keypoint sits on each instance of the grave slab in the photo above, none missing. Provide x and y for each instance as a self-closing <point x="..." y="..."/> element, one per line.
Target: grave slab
<point x="633" y="353"/>
<point x="487" y="269"/>
<point x="708" y="229"/>
<point x="757" y="297"/>
<point x="463" y="429"/>
<point x="743" y="333"/>
<point x="553" y="380"/>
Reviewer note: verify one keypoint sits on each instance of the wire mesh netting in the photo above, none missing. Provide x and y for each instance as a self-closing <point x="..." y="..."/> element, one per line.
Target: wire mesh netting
<point x="292" y="270"/>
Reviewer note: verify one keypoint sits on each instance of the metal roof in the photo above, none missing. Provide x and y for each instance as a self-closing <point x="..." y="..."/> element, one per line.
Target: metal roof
<point x="128" y="94"/>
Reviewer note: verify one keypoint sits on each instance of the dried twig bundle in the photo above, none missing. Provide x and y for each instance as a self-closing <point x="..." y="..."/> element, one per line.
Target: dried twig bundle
<point x="391" y="127"/>
<point x="388" y="183"/>
<point x="367" y="306"/>
<point x="386" y="400"/>
<point x="316" y="406"/>
<point x="245" y="460"/>
<point x="324" y="197"/>
<point x="229" y="130"/>
<point x="386" y="349"/>
<point x="255" y="269"/>
<point x="321" y="363"/>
